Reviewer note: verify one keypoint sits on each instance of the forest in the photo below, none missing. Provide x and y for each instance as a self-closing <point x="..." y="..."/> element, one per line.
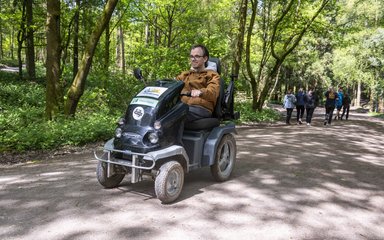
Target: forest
<point x="66" y="65"/>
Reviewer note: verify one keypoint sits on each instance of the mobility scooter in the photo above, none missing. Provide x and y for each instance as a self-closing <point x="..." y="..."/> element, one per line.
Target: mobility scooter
<point x="151" y="139"/>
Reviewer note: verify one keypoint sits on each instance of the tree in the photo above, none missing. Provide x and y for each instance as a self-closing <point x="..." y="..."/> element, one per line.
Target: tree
<point x="77" y="88"/>
<point x="279" y="38"/>
<point x="76" y="39"/>
<point x="21" y="38"/>
<point x="30" y="54"/>
<point x="240" y="37"/>
<point x="53" y="91"/>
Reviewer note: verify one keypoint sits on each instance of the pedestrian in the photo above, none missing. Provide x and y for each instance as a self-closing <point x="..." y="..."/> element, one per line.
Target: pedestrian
<point x="300" y="106"/>
<point x="310" y="105"/>
<point x="330" y="103"/>
<point x="289" y="105"/>
<point x="339" y="103"/>
<point x="346" y="105"/>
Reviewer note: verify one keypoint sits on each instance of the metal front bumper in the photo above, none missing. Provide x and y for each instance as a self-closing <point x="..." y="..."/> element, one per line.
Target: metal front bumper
<point x="134" y="164"/>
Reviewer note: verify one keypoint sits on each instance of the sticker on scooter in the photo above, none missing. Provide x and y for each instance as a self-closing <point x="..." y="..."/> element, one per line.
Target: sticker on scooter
<point x="145" y="101"/>
<point x="138" y="113"/>
<point x="154" y="92"/>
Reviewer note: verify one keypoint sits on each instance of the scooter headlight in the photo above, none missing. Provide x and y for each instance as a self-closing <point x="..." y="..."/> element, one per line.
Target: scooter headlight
<point x="157" y="125"/>
<point x="118" y="132"/>
<point x="153" y="138"/>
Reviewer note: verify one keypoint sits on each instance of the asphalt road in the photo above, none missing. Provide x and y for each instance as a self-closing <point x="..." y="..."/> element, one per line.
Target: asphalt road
<point x="290" y="182"/>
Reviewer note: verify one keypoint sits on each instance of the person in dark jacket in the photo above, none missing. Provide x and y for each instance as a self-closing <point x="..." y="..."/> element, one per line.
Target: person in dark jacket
<point x="339" y="103"/>
<point x="300" y="106"/>
<point x="346" y="105"/>
<point x="331" y="97"/>
<point x="310" y="105"/>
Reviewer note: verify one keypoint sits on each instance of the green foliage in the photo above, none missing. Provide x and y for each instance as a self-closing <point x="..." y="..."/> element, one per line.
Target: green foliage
<point x="22" y="123"/>
<point x="248" y="115"/>
<point x="38" y="134"/>
<point x="109" y="92"/>
<point x="377" y="115"/>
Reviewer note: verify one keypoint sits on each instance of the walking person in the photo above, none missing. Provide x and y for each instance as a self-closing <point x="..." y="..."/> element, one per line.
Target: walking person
<point x="289" y="105"/>
<point x="346" y="105"/>
<point x="310" y="105"/>
<point x="300" y="106"/>
<point x="330" y="103"/>
<point x="339" y="103"/>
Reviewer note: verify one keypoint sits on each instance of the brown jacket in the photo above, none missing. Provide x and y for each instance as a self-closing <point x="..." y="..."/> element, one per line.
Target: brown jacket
<point x="207" y="81"/>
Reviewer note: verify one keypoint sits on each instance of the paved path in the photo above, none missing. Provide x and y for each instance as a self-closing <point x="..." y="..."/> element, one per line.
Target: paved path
<point x="290" y="182"/>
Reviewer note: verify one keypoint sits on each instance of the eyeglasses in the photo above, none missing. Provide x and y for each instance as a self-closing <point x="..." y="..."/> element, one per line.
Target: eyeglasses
<point x="196" y="57"/>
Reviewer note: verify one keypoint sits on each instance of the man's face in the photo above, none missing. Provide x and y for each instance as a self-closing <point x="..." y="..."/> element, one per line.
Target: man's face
<point x="197" y="58"/>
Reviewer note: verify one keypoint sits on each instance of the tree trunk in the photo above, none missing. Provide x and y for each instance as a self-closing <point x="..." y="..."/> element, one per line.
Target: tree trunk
<point x="30" y="54"/>
<point x="76" y="39"/>
<point x="240" y="37"/>
<point x="358" y="94"/>
<point x="53" y="89"/>
<point x="254" y="83"/>
<point x="1" y="34"/>
<point x="12" y="50"/>
<point x="20" y="40"/>
<point x="122" y="47"/>
<point x="107" y="47"/>
<point x="1" y="41"/>
<point x="77" y="88"/>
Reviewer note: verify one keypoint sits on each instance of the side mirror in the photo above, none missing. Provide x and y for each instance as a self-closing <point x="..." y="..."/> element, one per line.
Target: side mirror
<point x="138" y="74"/>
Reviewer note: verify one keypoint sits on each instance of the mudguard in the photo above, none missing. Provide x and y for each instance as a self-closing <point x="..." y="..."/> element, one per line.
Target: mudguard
<point x="213" y="140"/>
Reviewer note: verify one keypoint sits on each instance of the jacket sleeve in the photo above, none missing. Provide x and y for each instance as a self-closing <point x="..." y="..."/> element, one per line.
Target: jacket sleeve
<point x="212" y="90"/>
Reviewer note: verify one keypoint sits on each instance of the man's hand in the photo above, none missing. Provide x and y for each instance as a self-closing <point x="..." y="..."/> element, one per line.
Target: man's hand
<point x="195" y="93"/>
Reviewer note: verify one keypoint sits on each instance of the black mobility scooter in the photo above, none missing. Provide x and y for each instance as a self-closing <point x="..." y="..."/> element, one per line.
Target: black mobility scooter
<point x="151" y="140"/>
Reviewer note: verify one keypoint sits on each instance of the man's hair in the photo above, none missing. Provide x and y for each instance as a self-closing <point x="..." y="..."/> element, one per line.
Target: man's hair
<point x="205" y="51"/>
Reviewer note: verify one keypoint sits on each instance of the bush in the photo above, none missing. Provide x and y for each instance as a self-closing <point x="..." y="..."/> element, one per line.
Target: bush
<point x="248" y="115"/>
<point x="45" y="135"/>
<point x="377" y="115"/>
<point x="24" y="128"/>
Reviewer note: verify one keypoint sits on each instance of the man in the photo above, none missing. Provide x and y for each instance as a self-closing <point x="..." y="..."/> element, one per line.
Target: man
<point x="202" y="84"/>
<point x="330" y="103"/>
<point x="346" y="105"/>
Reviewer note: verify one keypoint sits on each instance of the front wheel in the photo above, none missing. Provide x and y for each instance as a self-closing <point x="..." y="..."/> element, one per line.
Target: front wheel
<point x="169" y="182"/>
<point x="102" y="177"/>
<point x="225" y="158"/>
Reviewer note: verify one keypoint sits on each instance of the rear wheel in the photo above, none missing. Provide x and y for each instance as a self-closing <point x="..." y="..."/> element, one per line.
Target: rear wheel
<point x="102" y="176"/>
<point x="169" y="182"/>
<point x="225" y="158"/>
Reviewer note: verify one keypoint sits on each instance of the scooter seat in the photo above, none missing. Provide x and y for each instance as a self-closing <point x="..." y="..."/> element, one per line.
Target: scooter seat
<point x="202" y="124"/>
